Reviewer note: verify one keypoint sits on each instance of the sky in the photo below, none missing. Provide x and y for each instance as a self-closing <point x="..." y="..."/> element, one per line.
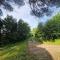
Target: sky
<point x="24" y="14"/>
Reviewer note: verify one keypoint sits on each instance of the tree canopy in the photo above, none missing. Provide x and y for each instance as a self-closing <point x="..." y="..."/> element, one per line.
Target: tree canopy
<point x="12" y="31"/>
<point x="49" y="30"/>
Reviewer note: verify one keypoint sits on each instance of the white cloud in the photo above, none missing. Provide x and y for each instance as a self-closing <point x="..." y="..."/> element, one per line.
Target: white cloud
<point x="24" y="13"/>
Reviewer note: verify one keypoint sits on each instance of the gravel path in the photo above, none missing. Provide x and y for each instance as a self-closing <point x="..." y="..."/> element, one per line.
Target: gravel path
<point x="44" y="52"/>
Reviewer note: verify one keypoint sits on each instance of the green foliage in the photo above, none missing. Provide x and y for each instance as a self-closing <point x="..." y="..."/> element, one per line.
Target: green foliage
<point x="16" y="51"/>
<point x="23" y="30"/>
<point x="1" y="24"/>
<point x="49" y="30"/>
<point x="39" y="31"/>
<point x="13" y="30"/>
<point x="52" y="27"/>
<point x="10" y="24"/>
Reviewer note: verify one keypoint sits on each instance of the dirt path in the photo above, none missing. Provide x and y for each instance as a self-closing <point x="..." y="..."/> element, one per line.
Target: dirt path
<point x="44" y="52"/>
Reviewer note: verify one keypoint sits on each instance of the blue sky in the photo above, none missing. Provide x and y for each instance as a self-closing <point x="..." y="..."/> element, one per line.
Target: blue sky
<point x="24" y="13"/>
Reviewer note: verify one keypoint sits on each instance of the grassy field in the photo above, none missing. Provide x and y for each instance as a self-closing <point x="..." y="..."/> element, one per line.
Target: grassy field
<point x="56" y="42"/>
<point x="13" y="52"/>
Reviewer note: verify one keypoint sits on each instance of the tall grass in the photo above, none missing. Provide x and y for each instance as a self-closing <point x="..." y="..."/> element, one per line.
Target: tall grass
<point x="13" y="52"/>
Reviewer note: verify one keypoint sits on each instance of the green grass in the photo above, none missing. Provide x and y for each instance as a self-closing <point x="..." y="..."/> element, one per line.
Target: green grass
<point x="56" y="42"/>
<point x="13" y="52"/>
<point x="18" y="51"/>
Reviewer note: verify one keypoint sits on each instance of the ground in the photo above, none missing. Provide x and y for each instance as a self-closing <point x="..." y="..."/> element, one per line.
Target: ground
<point x="13" y="51"/>
<point x="44" y="51"/>
<point x="31" y="51"/>
<point x="53" y="50"/>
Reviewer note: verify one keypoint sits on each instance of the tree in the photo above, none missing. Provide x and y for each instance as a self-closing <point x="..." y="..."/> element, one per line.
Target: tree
<point x="23" y="30"/>
<point x="52" y="27"/>
<point x="39" y="30"/>
<point x="10" y="29"/>
<point x="49" y="30"/>
<point x="1" y="24"/>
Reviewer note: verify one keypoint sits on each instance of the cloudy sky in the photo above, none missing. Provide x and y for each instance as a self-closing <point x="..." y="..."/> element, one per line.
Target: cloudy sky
<point x="24" y="13"/>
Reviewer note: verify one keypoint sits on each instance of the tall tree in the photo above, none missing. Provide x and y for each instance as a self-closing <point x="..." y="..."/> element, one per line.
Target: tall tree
<point x="10" y="25"/>
<point x="13" y="31"/>
<point x="39" y="30"/>
<point x="23" y="30"/>
<point x="49" y="30"/>
<point x="52" y="27"/>
<point x="1" y="24"/>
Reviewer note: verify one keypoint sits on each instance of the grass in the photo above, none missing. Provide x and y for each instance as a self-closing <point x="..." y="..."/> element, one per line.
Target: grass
<point x="18" y="51"/>
<point x="13" y="52"/>
<point x="56" y="42"/>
